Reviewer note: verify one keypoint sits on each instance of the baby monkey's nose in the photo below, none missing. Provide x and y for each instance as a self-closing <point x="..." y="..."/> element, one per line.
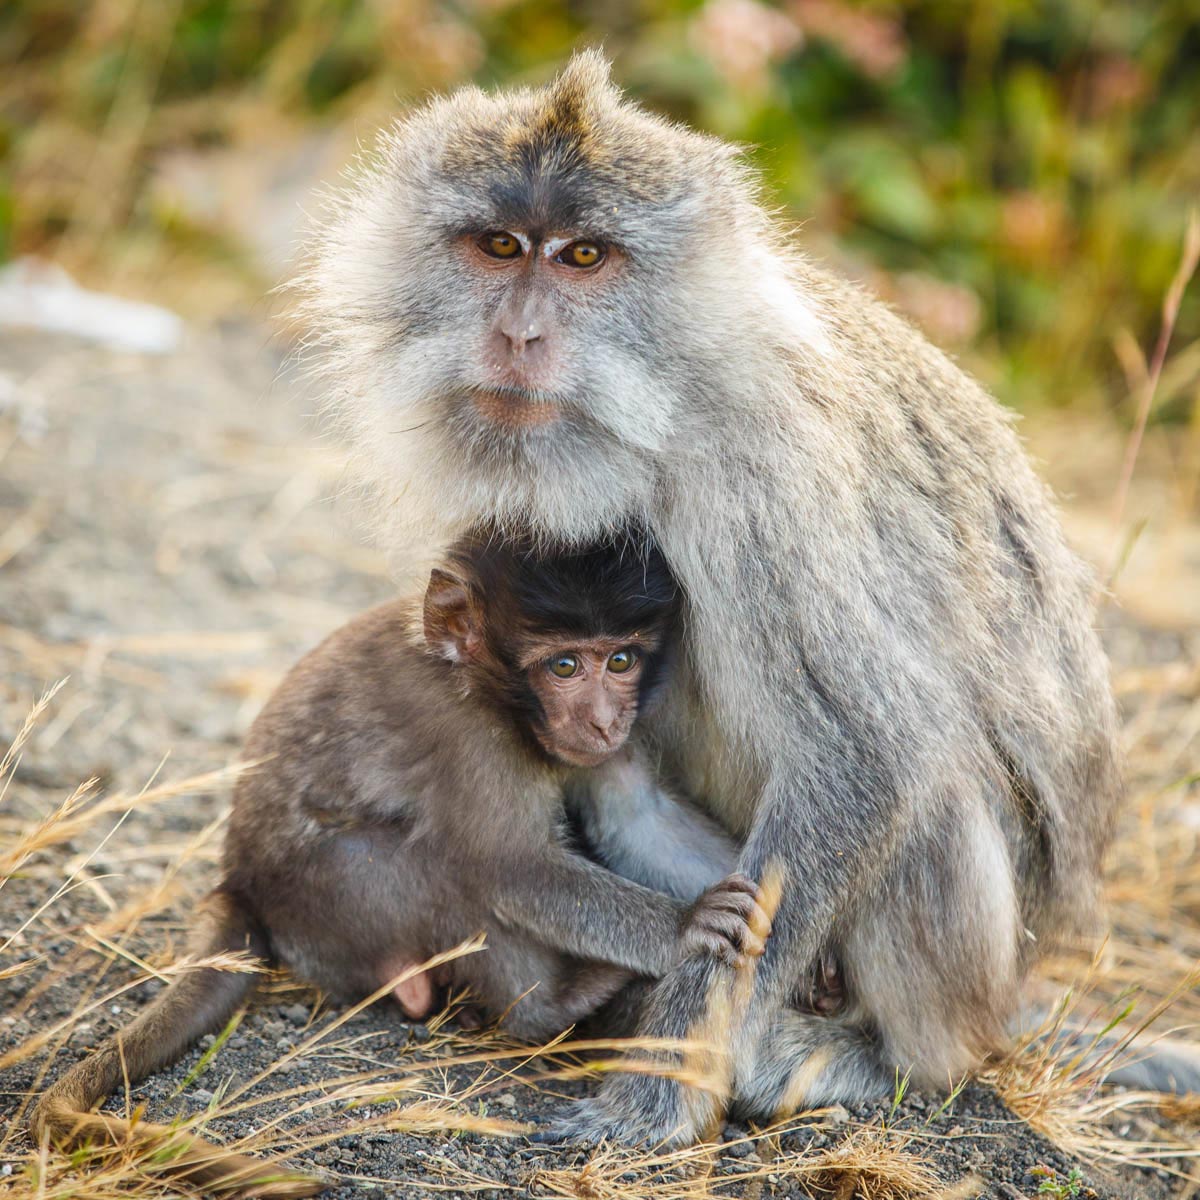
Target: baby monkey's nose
<point x="603" y="719"/>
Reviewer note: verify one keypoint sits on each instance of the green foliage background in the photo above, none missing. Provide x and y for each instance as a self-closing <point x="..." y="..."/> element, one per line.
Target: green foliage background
<point x="1017" y="175"/>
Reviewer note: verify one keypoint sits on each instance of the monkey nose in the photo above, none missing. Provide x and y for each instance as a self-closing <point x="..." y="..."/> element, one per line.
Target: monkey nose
<point x="518" y="339"/>
<point x="604" y="728"/>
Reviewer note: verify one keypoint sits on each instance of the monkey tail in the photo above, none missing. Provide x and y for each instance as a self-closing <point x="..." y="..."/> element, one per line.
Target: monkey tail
<point x="1161" y="1066"/>
<point x="195" y="1003"/>
<point x="1142" y="1061"/>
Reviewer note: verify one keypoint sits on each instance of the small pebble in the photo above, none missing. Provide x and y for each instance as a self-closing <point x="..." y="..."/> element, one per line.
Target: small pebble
<point x="738" y="1166"/>
<point x="297" y="1014"/>
<point x="421" y="1033"/>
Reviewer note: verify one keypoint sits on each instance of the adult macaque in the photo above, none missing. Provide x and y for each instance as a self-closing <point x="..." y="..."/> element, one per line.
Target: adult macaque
<point x="552" y="310"/>
<point x="411" y="796"/>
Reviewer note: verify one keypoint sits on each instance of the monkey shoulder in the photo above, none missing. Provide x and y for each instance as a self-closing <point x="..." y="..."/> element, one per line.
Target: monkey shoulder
<point x="370" y="726"/>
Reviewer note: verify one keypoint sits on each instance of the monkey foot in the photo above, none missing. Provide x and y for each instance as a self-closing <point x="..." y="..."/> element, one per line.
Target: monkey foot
<point x="634" y="1110"/>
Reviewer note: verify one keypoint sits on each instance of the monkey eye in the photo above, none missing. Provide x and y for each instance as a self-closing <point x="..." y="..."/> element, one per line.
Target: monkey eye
<point x="500" y="245"/>
<point x="564" y="666"/>
<point x="581" y="254"/>
<point x="620" y="661"/>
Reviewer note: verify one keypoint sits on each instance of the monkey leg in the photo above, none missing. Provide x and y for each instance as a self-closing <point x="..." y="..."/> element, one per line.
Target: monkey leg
<point x="415" y="995"/>
<point x="619" y="1016"/>
<point x="932" y="973"/>
<point x="931" y="968"/>
<point x="195" y="1003"/>
<point x="537" y="992"/>
<point x="649" y="1104"/>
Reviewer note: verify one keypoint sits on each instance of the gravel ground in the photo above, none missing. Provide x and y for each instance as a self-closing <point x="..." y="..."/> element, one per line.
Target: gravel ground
<point x="170" y="540"/>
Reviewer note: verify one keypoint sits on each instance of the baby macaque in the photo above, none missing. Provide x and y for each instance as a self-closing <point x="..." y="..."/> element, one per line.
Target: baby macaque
<point x="410" y="796"/>
<point x="414" y="796"/>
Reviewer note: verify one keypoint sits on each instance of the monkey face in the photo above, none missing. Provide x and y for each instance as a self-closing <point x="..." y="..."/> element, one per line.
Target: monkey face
<point x="589" y="700"/>
<point x="513" y="292"/>
<point x="570" y="644"/>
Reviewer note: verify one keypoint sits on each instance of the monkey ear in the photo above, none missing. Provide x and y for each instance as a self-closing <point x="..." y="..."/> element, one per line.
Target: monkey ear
<point x="451" y="618"/>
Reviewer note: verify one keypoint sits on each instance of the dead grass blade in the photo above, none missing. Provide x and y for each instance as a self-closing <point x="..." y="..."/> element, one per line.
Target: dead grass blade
<point x="1053" y="1078"/>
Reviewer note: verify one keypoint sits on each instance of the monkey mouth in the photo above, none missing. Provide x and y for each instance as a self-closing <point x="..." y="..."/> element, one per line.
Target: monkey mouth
<point x="578" y="754"/>
<point x="515" y="408"/>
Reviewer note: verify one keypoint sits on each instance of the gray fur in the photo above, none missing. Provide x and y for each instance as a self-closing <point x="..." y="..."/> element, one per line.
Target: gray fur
<point x="638" y="829"/>
<point x="890" y="686"/>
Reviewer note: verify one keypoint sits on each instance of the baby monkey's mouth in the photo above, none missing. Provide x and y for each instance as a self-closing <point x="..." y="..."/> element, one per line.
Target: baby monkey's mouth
<point x="515" y="408"/>
<point x="577" y="756"/>
<point x="581" y="751"/>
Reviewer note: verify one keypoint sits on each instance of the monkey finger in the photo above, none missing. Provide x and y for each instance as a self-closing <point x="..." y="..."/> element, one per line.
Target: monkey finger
<point x="753" y="946"/>
<point x="707" y="941"/>
<point x="743" y="907"/>
<point x="735" y="883"/>
<point x="725" y="927"/>
<point x="731" y="902"/>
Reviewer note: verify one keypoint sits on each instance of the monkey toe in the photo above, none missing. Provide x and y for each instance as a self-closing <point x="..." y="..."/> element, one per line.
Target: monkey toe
<point x="469" y="1017"/>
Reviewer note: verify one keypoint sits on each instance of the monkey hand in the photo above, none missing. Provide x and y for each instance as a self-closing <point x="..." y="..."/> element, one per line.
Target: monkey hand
<point x="726" y="922"/>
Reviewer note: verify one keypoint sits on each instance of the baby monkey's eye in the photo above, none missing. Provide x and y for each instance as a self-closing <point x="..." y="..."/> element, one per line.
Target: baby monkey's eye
<point x="621" y="660"/>
<point x="500" y="245"/>
<point x="564" y="666"/>
<point x="581" y="254"/>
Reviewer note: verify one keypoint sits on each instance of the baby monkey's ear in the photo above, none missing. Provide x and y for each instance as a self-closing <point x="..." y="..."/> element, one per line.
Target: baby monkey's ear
<point x="453" y="623"/>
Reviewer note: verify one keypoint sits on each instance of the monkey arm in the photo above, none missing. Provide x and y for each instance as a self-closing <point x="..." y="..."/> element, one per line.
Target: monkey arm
<point x="641" y="831"/>
<point x="573" y="906"/>
<point x="577" y="907"/>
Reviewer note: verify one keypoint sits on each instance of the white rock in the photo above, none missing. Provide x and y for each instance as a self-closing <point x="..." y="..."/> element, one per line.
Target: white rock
<point x="40" y="295"/>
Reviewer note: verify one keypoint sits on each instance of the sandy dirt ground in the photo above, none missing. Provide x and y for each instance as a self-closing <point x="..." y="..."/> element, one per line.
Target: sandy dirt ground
<point x="171" y="540"/>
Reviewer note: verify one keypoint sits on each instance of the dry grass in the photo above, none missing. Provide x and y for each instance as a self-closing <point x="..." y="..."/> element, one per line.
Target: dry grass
<point x="869" y="1162"/>
<point x="1053" y="1081"/>
<point x="1054" y="1089"/>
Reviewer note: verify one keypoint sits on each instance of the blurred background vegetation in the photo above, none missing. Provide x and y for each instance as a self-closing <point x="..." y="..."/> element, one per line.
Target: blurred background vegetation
<point x="1015" y="175"/>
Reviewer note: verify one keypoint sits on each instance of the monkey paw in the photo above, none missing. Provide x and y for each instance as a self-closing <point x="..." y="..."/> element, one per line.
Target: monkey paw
<point x="727" y="921"/>
<point x="634" y="1110"/>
